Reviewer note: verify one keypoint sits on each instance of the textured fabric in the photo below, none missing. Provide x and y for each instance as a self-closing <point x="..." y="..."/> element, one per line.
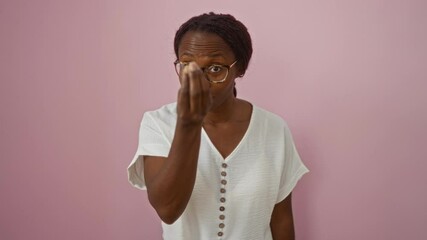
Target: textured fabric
<point x="261" y="171"/>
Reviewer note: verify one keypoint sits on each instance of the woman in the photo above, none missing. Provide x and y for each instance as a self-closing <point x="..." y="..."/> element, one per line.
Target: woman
<point x="216" y="166"/>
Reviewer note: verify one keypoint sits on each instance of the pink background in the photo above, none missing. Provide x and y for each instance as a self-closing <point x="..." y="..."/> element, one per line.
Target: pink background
<point x="348" y="76"/>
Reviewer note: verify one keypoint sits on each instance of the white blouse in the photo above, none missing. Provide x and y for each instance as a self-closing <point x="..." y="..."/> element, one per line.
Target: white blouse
<point x="233" y="198"/>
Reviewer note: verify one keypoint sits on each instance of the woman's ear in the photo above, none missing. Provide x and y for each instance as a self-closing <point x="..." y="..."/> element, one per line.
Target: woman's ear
<point x="240" y="71"/>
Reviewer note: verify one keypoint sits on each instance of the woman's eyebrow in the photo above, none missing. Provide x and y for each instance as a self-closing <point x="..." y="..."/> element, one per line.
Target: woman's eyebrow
<point x="215" y="55"/>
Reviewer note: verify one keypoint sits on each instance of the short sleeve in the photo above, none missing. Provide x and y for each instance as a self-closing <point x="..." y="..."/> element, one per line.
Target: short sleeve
<point x="152" y="142"/>
<point x="293" y="168"/>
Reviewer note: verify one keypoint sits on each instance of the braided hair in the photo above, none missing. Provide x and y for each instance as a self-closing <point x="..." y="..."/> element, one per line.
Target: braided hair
<point x="232" y="31"/>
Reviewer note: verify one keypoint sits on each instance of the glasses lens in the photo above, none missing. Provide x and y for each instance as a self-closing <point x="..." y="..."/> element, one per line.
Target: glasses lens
<point x="213" y="73"/>
<point x="216" y="73"/>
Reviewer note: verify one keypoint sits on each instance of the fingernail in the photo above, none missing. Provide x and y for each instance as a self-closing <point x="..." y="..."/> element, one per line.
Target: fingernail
<point x="193" y="66"/>
<point x="184" y="70"/>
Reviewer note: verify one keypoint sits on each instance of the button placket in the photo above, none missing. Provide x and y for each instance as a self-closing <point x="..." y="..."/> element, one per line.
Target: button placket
<point x="222" y="200"/>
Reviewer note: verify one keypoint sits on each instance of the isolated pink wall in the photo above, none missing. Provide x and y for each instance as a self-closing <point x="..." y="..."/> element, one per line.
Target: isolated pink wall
<point x="348" y="76"/>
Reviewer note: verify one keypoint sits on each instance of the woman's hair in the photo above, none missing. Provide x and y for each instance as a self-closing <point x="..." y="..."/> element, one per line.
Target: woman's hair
<point x="232" y="31"/>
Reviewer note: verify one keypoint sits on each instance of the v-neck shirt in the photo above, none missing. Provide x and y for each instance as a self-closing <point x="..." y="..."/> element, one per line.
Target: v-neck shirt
<point x="233" y="198"/>
<point x="236" y="148"/>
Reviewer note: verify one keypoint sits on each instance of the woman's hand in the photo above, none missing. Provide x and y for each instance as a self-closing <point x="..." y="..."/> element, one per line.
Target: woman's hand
<point x="170" y="180"/>
<point x="194" y="96"/>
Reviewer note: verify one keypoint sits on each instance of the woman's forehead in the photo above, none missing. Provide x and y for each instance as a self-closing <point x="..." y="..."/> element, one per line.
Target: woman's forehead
<point x="202" y="43"/>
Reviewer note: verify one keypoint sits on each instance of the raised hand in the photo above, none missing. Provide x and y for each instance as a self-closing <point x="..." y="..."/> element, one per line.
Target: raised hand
<point x="194" y="96"/>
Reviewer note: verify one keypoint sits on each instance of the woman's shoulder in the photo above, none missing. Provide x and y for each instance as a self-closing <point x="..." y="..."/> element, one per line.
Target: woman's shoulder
<point x="269" y="117"/>
<point x="165" y="116"/>
<point x="165" y="111"/>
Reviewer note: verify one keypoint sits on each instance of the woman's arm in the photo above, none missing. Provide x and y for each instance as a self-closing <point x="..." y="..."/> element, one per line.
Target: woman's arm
<point x="170" y="180"/>
<point x="282" y="221"/>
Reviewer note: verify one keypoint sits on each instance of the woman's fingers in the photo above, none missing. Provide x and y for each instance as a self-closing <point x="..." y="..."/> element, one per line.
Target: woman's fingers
<point x="207" y="96"/>
<point x="196" y="92"/>
<point x="184" y="91"/>
<point x="194" y="96"/>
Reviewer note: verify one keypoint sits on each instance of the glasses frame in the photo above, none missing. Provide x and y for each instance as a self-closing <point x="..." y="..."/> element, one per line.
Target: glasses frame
<point x="228" y="67"/>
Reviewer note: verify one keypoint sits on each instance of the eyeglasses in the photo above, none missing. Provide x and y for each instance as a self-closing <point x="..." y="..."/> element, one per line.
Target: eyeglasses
<point x="214" y="73"/>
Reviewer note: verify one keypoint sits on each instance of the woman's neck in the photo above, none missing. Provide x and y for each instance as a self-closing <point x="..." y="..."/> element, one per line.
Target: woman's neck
<point x="225" y="112"/>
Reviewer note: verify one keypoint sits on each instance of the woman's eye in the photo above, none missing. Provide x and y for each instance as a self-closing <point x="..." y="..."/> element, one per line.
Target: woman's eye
<point x="215" y="69"/>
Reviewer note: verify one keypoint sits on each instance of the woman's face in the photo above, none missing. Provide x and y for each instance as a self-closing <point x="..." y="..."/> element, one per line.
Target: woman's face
<point x="207" y="49"/>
